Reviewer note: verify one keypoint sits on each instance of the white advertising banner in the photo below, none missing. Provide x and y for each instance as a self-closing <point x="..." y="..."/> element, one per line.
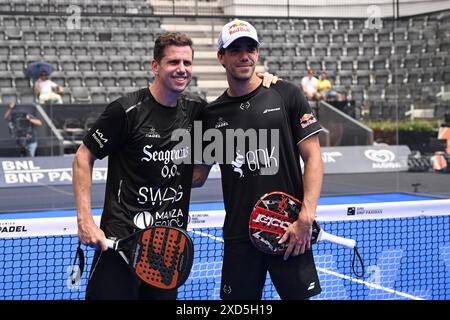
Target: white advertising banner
<point x="21" y="172"/>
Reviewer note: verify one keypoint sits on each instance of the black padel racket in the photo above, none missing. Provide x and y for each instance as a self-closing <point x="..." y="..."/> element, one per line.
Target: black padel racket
<point x="159" y="256"/>
<point x="274" y="213"/>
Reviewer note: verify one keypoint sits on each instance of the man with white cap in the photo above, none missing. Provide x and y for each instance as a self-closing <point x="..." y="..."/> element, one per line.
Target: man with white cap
<point x="245" y="105"/>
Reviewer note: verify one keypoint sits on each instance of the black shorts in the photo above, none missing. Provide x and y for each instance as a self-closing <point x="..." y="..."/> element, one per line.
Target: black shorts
<point x="111" y="279"/>
<point x="245" y="269"/>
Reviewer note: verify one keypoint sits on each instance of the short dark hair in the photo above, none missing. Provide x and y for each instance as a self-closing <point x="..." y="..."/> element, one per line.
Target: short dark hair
<point x="170" y="39"/>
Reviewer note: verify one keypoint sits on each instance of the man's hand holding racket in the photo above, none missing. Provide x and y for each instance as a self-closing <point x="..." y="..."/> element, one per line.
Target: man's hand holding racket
<point x="299" y="236"/>
<point x="91" y="235"/>
<point x="283" y="225"/>
<point x="159" y="256"/>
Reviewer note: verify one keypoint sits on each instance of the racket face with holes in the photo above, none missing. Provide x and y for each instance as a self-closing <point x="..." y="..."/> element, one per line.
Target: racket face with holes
<point x="272" y="215"/>
<point x="162" y="257"/>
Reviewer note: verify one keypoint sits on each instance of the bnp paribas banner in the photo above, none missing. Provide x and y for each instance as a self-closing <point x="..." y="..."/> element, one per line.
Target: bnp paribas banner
<point x="44" y="171"/>
<point x="58" y="170"/>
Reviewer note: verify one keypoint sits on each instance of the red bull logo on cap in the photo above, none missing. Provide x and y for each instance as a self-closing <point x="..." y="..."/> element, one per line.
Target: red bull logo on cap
<point x="238" y="26"/>
<point x="235" y="29"/>
<point x="234" y="25"/>
<point x="307" y="119"/>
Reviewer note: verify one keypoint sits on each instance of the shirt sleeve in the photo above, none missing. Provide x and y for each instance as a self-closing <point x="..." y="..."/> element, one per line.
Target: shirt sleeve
<point x="304" y="122"/>
<point x="108" y="132"/>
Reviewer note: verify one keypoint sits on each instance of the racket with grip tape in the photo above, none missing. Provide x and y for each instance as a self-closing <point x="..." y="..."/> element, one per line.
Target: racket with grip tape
<point x="159" y="256"/>
<point x="274" y="212"/>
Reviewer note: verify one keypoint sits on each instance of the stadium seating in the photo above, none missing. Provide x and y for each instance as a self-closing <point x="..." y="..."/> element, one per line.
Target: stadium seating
<point x="109" y="52"/>
<point x="410" y="51"/>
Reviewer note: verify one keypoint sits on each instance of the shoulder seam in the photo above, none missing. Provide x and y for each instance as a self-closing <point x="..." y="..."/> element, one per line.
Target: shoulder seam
<point x="135" y="105"/>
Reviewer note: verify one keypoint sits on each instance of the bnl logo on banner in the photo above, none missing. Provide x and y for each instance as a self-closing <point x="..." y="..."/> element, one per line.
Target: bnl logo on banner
<point x="29" y="172"/>
<point x="382" y="159"/>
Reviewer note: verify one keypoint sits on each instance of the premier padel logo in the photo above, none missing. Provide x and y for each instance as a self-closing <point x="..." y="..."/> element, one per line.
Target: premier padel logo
<point x="221" y="123"/>
<point x="152" y="133"/>
<point x="12" y="228"/>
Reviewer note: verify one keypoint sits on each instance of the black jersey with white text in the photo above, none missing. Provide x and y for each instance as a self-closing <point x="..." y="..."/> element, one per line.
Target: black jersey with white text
<point x="144" y="186"/>
<point x="280" y="118"/>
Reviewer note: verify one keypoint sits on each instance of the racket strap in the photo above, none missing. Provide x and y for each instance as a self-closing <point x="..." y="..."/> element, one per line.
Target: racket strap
<point x="79" y="255"/>
<point x="355" y="256"/>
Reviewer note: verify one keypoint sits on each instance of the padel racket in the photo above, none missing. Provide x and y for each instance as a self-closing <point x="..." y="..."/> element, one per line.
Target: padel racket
<point x="159" y="256"/>
<point x="274" y="213"/>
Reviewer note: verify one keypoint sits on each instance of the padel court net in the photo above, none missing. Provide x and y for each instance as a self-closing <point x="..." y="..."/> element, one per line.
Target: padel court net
<point x="405" y="247"/>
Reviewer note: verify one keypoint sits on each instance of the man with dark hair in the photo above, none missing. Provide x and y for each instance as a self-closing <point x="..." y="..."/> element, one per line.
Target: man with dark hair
<point x="170" y="39"/>
<point x="140" y="188"/>
<point x="246" y="105"/>
<point x="145" y="186"/>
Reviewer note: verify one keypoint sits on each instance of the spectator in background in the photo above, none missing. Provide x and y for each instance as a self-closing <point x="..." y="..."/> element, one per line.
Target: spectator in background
<point x="309" y="86"/>
<point x="23" y="128"/>
<point x="325" y="89"/>
<point x="47" y="90"/>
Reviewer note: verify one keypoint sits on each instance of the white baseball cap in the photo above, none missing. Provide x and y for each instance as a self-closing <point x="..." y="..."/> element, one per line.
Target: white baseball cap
<point x="234" y="30"/>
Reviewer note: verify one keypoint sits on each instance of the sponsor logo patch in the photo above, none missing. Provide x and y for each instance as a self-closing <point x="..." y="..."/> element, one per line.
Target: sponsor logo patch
<point x="244" y="105"/>
<point x="99" y="138"/>
<point x="307" y="119"/>
<point x="221" y="123"/>
<point x="382" y="159"/>
<point x="152" y="133"/>
<point x="271" y="110"/>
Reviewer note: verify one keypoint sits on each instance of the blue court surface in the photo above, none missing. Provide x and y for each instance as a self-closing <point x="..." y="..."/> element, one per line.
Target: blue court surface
<point x="405" y="257"/>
